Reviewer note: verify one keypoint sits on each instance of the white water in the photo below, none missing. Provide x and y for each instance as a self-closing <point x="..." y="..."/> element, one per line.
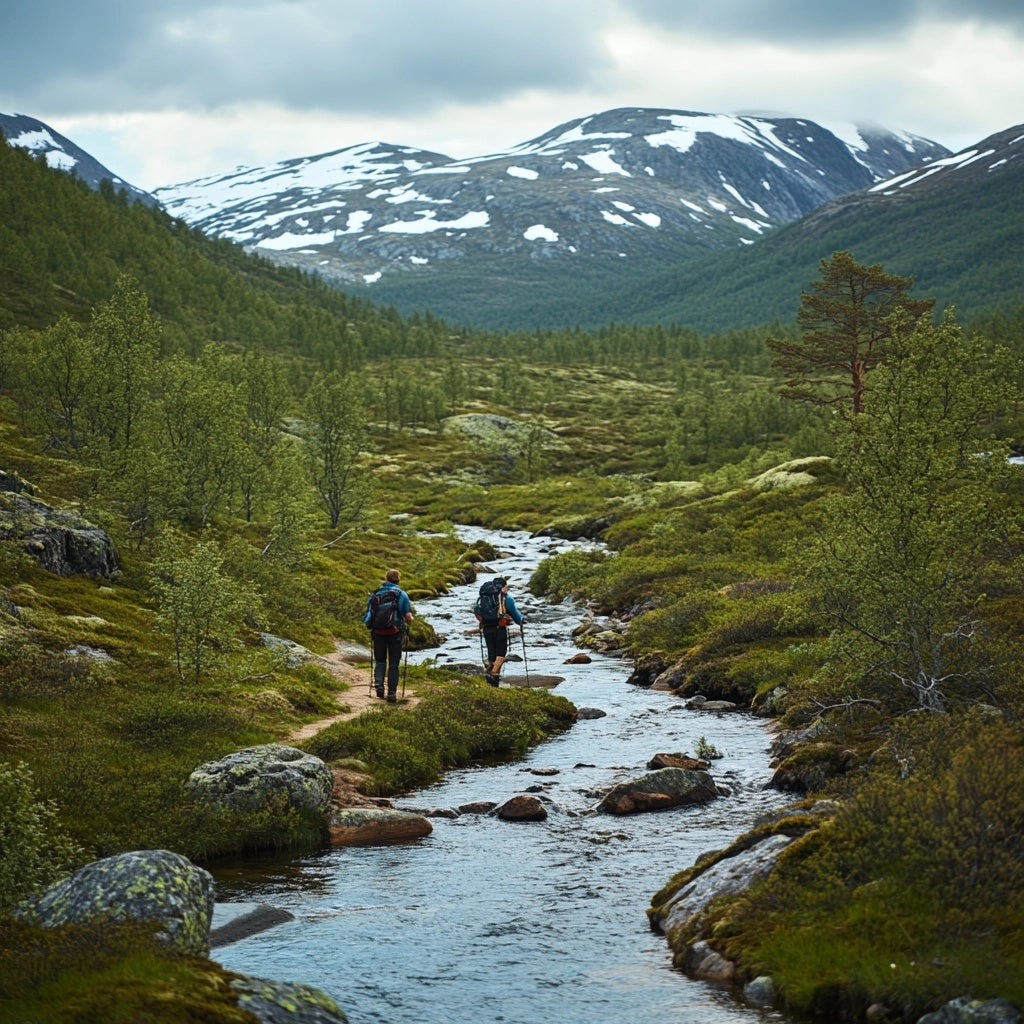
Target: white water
<point x="521" y="923"/>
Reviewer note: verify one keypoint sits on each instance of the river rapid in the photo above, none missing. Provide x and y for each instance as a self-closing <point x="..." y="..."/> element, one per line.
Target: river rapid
<point x="486" y="921"/>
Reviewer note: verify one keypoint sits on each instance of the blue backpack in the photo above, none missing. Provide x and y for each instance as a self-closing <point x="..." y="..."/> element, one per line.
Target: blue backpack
<point x="491" y="603"/>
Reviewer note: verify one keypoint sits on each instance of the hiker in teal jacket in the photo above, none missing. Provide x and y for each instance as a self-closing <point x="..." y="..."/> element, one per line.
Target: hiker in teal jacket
<point x="495" y="608"/>
<point x="388" y="613"/>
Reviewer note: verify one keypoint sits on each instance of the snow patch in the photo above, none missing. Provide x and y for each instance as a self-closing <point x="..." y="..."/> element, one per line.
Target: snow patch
<point x="290" y="240"/>
<point x="652" y="220"/>
<point x="371" y="278"/>
<point x="538" y="232"/>
<point x="522" y="172"/>
<point x="428" y="222"/>
<point x="614" y="218"/>
<point x="356" y="221"/>
<point x="604" y="163"/>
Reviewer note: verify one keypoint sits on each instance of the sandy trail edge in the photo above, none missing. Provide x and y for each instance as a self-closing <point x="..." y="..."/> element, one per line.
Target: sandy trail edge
<point x="357" y="698"/>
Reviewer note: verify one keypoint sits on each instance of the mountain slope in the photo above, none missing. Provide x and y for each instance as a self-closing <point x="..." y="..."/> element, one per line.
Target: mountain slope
<point x="62" y="154"/>
<point x="956" y="226"/>
<point x="627" y="184"/>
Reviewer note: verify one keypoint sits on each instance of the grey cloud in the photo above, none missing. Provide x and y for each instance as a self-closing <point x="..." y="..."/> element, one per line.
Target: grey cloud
<point x="798" y="21"/>
<point x="388" y="55"/>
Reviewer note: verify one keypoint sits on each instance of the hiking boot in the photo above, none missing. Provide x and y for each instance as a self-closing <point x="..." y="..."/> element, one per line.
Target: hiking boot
<point x="491" y="679"/>
<point x="392" y="697"/>
<point x="380" y="692"/>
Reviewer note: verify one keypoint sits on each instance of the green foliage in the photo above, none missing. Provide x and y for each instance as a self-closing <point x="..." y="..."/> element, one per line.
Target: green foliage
<point x="567" y="574"/>
<point x="912" y="895"/>
<point x="905" y="559"/>
<point x="451" y="726"/>
<point x="118" y="974"/>
<point x="201" y="607"/>
<point x="34" y="850"/>
<point x="845" y="320"/>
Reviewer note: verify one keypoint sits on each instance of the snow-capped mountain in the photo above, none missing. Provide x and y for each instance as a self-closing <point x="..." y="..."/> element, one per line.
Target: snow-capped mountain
<point x="62" y="154"/>
<point x="626" y="182"/>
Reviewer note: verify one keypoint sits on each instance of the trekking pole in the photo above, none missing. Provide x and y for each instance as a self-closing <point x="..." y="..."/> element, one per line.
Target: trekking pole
<point x="370" y="691"/>
<point x="522" y="637"/>
<point x="405" y="661"/>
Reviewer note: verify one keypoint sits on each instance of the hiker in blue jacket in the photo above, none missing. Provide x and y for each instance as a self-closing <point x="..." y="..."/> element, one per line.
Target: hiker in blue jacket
<point x="388" y="614"/>
<point x="495" y="608"/>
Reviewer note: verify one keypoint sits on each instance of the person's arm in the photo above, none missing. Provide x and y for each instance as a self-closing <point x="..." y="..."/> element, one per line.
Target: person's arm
<point x="510" y="607"/>
<point x="405" y="607"/>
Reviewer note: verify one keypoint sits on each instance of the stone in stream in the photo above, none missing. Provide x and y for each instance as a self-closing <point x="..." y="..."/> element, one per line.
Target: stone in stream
<point x="659" y="791"/>
<point x="533" y="679"/>
<point x="372" y="826"/>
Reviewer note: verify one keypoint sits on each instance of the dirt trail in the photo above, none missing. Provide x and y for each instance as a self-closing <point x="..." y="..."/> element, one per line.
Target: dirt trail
<point x="357" y="698"/>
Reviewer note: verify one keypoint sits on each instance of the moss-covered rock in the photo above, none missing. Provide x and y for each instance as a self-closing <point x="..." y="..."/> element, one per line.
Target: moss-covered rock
<point x="62" y="542"/>
<point x="278" y="1002"/>
<point x="256" y="778"/>
<point x="144" y="885"/>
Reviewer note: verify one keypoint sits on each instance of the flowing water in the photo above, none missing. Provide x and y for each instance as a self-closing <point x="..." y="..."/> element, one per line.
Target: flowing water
<point x="486" y="921"/>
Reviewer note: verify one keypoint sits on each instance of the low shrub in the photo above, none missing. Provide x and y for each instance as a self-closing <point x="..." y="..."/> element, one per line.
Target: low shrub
<point x="36" y="851"/>
<point x="452" y="725"/>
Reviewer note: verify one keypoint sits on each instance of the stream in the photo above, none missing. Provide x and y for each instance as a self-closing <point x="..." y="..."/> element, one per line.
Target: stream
<point x="486" y="921"/>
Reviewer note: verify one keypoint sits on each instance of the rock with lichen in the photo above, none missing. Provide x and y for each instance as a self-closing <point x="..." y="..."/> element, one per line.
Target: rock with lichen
<point x="373" y="826"/>
<point x="143" y="885"/>
<point x="272" y="775"/>
<point x="280" y="1002"/>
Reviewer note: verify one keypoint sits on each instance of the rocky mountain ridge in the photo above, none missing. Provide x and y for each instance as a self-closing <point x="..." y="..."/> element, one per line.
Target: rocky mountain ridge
<point x="632" y="182"/>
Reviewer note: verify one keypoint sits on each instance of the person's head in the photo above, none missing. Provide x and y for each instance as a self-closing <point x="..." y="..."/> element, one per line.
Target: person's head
<point x="392" y="576"/>
<point x="502" y="582"/>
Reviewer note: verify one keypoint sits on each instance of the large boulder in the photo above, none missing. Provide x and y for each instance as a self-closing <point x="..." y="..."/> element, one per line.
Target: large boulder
<point x="659" y="791"/>
<point x="281" y="1002"/>
<point x="374" y="826"/>
<point x="144" y="885"/>
<point x="258" y="777"/>
<point x="62" y="542"/>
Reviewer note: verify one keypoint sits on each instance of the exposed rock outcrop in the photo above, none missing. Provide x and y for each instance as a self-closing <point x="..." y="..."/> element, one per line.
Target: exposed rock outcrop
<point x="280" y="1002"/>
<point x="729" y="875"/>
<point x="522" y="808"/>
<point x="62" y="542"/>
<point x="973" y="1011"/>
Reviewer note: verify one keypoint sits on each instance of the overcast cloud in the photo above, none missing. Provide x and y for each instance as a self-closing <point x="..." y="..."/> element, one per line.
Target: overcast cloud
<point x="167" y="90"/>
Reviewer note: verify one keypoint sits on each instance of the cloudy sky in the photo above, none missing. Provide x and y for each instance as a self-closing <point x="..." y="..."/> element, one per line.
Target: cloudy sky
<point x="163" y="91"/>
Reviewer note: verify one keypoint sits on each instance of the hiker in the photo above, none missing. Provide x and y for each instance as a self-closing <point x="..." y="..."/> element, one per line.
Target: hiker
<point x="495" y="608"/>
<point x="388" y="613"/>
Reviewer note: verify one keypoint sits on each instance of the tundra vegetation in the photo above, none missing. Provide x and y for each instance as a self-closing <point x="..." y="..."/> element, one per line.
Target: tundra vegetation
<point x="260" y="447"/>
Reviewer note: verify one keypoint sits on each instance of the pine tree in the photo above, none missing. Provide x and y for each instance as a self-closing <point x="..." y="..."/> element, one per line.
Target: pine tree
<point x="844" y="321"/>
